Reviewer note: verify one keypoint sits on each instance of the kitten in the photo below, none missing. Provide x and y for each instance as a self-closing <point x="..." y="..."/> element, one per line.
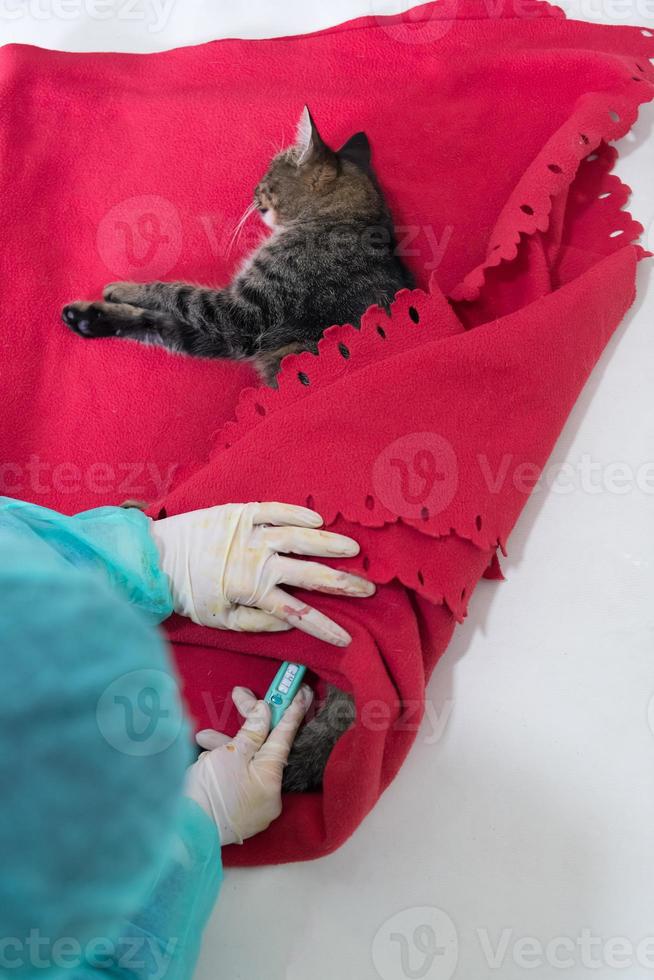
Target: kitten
<point x="331" y="255"/>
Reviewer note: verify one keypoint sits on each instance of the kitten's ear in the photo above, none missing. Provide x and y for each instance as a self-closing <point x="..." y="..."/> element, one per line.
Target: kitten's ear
<point x="309" y="141"/>
<point x="357" y="150"/>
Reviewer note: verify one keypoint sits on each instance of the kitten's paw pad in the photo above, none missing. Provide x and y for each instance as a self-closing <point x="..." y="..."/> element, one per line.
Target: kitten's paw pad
<point x="89" y="320"/>
<point x="122" y="292"/>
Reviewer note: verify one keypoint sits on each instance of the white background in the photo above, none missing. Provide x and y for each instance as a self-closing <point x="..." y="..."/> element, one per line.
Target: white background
<point x="531" y="817"/>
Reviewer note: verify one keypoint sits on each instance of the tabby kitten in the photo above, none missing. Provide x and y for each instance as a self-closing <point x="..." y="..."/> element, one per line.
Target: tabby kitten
<point x="331" y="255"/>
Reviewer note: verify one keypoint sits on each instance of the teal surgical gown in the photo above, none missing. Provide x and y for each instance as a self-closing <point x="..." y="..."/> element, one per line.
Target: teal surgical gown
<point x="105" y="867"/>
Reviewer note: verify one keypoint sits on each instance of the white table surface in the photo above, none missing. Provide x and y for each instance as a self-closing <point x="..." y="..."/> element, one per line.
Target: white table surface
<point x="528" y="824"/>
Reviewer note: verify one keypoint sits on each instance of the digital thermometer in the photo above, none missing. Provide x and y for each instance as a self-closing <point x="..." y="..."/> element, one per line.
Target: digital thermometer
<point x="283" y="689"/>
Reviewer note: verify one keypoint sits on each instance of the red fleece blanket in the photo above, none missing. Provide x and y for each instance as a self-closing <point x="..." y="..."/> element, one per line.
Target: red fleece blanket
<point x="423" y="433"/>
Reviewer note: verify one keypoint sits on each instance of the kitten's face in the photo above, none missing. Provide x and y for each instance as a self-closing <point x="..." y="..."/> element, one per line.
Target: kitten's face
<point x="310" y="181"/>
<point x="280" y="195"/>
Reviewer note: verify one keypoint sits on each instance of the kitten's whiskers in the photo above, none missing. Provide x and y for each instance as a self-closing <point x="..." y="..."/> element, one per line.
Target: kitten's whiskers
<point x="238" y="231"/>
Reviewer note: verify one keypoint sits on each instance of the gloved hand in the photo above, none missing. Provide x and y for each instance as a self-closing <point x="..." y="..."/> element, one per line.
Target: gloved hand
<point x="224" y="565"/>
<point x="238" y="782"/>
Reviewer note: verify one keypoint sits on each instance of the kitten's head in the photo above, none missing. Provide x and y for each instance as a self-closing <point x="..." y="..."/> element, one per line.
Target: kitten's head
<point x="310" y="180"/>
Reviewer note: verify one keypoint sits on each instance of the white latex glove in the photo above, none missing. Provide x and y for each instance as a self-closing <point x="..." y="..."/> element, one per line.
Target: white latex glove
<point x="239" y="781"/>
<point x="225" y="564"/>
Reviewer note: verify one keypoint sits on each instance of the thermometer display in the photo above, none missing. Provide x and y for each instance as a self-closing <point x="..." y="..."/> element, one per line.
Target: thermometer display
<point x="283" y="689"/>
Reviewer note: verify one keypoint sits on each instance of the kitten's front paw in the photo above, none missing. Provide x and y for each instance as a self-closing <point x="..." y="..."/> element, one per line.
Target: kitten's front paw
<point x="90" y="320"/>
<point x="122" y="292"/>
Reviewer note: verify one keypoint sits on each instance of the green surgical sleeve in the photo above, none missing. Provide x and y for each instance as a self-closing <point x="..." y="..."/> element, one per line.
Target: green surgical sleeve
<point x="111" y="542"/>
<point x="162" y="941"/>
